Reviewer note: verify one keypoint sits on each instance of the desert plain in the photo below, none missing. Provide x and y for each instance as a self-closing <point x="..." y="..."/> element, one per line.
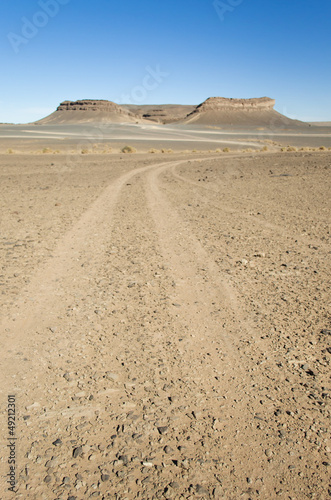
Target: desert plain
<point x="165" y="317"/>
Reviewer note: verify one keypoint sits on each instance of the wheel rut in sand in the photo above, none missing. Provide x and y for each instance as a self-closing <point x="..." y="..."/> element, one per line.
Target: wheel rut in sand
<point x="128" y="344"/>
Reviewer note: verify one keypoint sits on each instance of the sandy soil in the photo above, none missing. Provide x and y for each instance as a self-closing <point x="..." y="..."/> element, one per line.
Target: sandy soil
<point x="166" y="325"/>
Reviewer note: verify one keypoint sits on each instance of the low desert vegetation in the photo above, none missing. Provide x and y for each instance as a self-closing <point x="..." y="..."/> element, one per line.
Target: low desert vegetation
<point x="226" y="150"/>
<point x="128" y="149"/>
<point x="47" y="151"/>
<point x="218" y="150"/>
<point x="322" y="148"/>
<point x="10" y="151"/>
<point x="153" y="151"/>
<point x="265" y="148"/>
<point x="84" y="151"/>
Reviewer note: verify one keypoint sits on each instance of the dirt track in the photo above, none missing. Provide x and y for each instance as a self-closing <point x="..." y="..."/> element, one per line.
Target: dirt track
<point x="163" y="319"/>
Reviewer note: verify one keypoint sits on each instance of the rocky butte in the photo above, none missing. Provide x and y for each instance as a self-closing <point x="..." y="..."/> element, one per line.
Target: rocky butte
<point x="256" y="112"/>
<point x="90" y="110"/>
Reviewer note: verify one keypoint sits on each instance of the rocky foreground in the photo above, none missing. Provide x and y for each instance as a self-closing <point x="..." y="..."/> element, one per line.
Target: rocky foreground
<point x="166" y="326"/>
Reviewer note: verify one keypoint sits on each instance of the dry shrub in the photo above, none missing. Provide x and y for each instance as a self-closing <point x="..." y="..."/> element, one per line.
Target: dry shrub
<point x="153" y="151"/>
<point x="226" y="150"/>
<point x="128" y="149"/>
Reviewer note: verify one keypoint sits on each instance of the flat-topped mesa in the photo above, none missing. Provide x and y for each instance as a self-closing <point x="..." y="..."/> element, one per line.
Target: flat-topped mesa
<point x="223" y="103"/>
<point x="224" y="112"/>
<point x="92" y="105"/>
<point x="91" y="111"/>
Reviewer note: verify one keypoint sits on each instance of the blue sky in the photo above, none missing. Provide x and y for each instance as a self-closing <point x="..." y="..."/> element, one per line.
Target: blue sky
<point x="151" y="52"/>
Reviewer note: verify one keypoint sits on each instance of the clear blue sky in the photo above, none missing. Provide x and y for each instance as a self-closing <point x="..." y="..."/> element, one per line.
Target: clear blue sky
<point x="100" y="49"/>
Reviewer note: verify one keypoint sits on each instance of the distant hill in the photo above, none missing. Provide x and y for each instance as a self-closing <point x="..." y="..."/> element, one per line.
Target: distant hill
<point x="220" y="111"/>
<point x="321" y="124"/>
<point x="90" y="111"/>
<point x="214" y="112"/>
<point x="161" y="113"/>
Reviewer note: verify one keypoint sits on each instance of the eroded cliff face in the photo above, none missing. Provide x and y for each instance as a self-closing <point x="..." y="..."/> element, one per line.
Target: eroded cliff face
<point x="91" y="111"/>
<point x="93" y="105"/>
<point x="223" y="103"/>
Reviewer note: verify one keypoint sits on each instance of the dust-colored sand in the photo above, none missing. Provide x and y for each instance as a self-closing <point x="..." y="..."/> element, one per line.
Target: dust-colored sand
<point x="166" y="325"/>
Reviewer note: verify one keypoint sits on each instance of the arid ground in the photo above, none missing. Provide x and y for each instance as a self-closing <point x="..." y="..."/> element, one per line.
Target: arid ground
<point x="166" y="325"/>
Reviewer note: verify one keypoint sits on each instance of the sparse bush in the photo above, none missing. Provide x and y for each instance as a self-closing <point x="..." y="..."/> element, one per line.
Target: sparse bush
<point x="56" y="152"/>
<point x="152" y="150"/>
<point x="47" y="150"/>
<point x="291" y="149"/>
<point x="322" y="148"/>
<point x="10" y="151"/>
<point x="128" y="149"/>
<point x="170" y="151"/>
<point x="265" y="148"/>
<point x="84" y="151"/>
<point x="218" y="150"/>
<point x="226" y="150"/>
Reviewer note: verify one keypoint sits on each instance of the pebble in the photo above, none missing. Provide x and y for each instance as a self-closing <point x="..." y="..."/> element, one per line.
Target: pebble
<point x="163" y="430"/>
<point x="200" y="490"/>
<point x="77" y="451"/>
<point x="111" y="376"/>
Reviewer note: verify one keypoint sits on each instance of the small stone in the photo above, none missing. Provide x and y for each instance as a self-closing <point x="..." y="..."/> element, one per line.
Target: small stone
<point x="218" y="492"/>
<point x="168" y="450"/>
<point x="163" y="430"/>
<point x="77" y="452"/>
<point x="57" y="442"/>
<point x="111" y="376"/>
<point x="123" y="458"/>
<point x="200" y="490"/>
<point x="105" y="477"/>
<point x="47" y="479"/>
<point x="268" y="453"/>
<point x="52" y="463"/>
